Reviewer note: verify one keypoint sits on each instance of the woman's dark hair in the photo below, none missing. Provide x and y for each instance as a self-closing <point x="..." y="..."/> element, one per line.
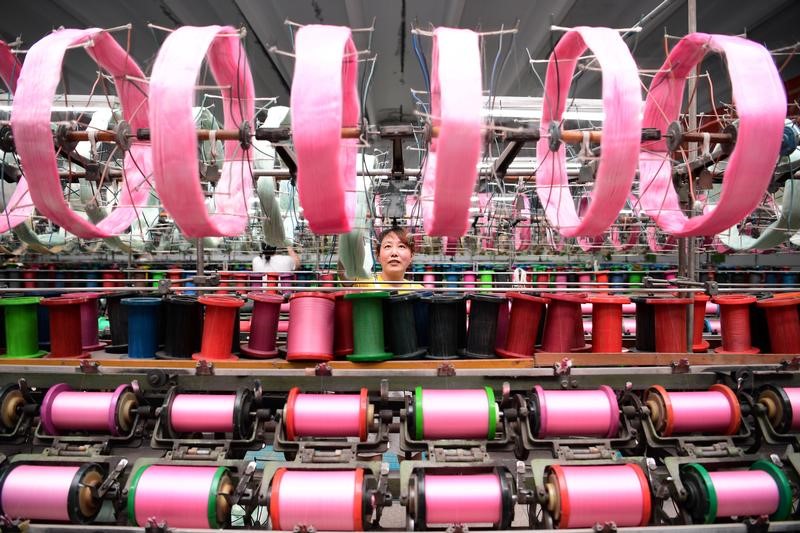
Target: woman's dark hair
<point x="401" y="234"/>
<point x="267" y="251"/>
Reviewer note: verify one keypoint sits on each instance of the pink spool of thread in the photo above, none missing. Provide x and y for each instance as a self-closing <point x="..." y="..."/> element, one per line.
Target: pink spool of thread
<point x="311" y="318"/>
<point x="574" y="413"/>
<point x="464" y="498"/>
<point x="585" y="280"/>
<point x="64" y="410"/>
<point x="453" y="414"/>
<point x="429" y="278"/>
<point x="716" y="325"/>
<point x="581" y="496"/>
<point x="328" y="500"/>
<point x="182" y="496"/>
<point x="208" y="413"/>
<point x="628" y="326"/>
<point x="327" y="415"/>
<point x="563" y="325"/>
<point x="263" y="325"/>
<point x="327" y="279"/>
<point x="89" y="330"/>
<point x="712" y="412"/>
<point x="469" y="281"/>
<point x="561" y="280"/>
<point x="51" y="493"/>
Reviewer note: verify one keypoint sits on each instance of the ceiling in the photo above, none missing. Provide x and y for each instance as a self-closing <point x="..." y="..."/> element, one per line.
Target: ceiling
<point x="772" y="22"/>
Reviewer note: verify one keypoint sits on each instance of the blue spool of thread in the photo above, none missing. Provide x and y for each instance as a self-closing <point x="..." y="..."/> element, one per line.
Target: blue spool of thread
<point x="143" y="313"/>
<point x="706" y="326"/>
<point x="91" y="278"/>
<point x="189" y="275"/>
<point x="616" y="278"/>
<point x="451" y="277"/>
<point x="60" y="276"/>
<point x="771" y="278"/>
<point x="790" y="279"/>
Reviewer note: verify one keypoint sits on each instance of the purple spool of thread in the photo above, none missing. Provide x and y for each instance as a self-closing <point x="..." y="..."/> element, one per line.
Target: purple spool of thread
<point x="263" y="325"/>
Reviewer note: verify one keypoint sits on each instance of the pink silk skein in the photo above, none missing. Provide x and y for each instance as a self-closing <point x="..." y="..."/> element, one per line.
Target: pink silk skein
<point x="760" y="107"/>
<point x="324" y="99"/>
<point x="38" y="492"/>
<point x="463" y="499"/>
<point x="174" y="138"/>
<point x="202" y="412"/>
<point x="456" y="100"/>
<point x="622" y="104"/>
<point x="328" y="500"/>
<point x="30" y="121"/>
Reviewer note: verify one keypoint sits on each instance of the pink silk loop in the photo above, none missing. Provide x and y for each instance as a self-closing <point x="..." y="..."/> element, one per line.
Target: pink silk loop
<point x="324" y="99"/>
<point x="9" y="67"/>
<point x="622" y="104"/>
<point x="760" y="107"/>
<point x="456" y="100"/>
<point x="30" y="121"/>
<point x="175" y="148"/>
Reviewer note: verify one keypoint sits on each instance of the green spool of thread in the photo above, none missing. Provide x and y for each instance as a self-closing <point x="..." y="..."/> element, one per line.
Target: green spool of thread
<point x="635" y="278"/>
<point x="156" y="276"/>
<point x="22" y="327"/>
<point x="368" y="342"/>
<point x="485" y="279"/>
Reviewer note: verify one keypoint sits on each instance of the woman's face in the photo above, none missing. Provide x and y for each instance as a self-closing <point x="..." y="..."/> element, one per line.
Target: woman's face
<point x="394" y="256"/>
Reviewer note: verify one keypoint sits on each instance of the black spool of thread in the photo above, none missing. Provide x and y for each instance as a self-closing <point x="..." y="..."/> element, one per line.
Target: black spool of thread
<point x="645" y="325"/>
<point x="482" y="333"/>
<point x="447" y="327"/>
<point x="118" y="320"/>
<point x="183" y="327"/>
<point x="400" y="326"/>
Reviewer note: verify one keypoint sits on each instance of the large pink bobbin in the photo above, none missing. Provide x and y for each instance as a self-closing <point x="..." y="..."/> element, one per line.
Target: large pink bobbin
<point x="202" y="412"/>
<point x="455" y="414"/>
<point x="463" y="499"/>
<point x="577" y="413"/>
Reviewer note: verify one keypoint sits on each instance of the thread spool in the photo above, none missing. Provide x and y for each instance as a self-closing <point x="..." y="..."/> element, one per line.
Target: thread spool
<point x="735" y="316"/>
<point x="782" y="406"/>
<point x="574" y="413"/>
<point x="143" y="314"/>
<point x="327" y="500"/>
<point x="64" y="410"/>
<point x="89" y="312"/>
<point x="584" y="280"/>
<point x="263" y="326"/>
<point x="422" y="309"/>
<point x="616" y="278"/>
<point x="236" y="338"/>
<point x="451" y="277"/>
<point x="601" y="278"/>
<point x="764" y="489"/>
<point x="523" y="324"/>
<point x="783" y="324"/>
<point x="218" y="327"/>
<point x="790" y="279"/>
<point x="11" y="404"/>
<point x="342" y="326"/>
<point x="713" y="412"/>
<point x="437" y="499"/>
<point x="182" y="496"/>
<point x="29" y="276"/>
<point x="368" y="338"/>
<point x="402" y="328"/>
<point x="607" y="323"/>
<point x="183" y="326"/>
<point x="41" y="492"/>
<point x="327" y="415"/>
<point x="118" y="321"/>
<point x="429" y="278"/>
<point x="670" y="320"/>
<point x="759" y="327"/>
<point x="485" y="279"/>
<point x="700" y="305"/>
<point x="563" y="325"/>
<point x="482" y="332"/>
<point x="635" y="277"/>
<point x="311" y="316"/>
<point x="447" y="327"/>
<point x="435" y="414"/>
<point x="469" y="281"/>
<point x="21" y="327"/>
<point x="581" y="496"/>
<point x="184" y="414"/>
<point x="503" y="317"/>
<point x="65" y="327"/>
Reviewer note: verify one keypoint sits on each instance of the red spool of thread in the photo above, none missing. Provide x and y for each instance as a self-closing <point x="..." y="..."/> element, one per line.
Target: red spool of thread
<point x="65" y="327"/>
<point x="342" y="326"/>
<point x="670" y="318"/>
<point x="734" y="310"/>
<point x="241" y="282"/>
<point x="311" y="317"/>
<point x="601" y="277"/>
<point x="526" y="312"/>
<point x="783" y="323"/>
<point x="89" y="312"/>
<point x="174" y="274"/>
<point x="108" y="278"/>
<point x="327" y="278"/>
<point x="563" y="325"/>
<point x="263" y="325"/>
<point x="218" y="327"/>
<point x="29" y="276"/>
<point x="700" y="303"/>
<point x="607" y="323"/>
<point x="503" y="315"/>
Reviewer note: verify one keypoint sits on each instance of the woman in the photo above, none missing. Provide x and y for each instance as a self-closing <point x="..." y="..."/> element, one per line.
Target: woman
<point x="395" y="252"/>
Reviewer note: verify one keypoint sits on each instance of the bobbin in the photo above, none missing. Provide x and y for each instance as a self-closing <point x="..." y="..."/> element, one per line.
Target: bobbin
<point x="12" y="402"/>
<point x="418" y="505"/>
<point x="82" y="503"/>
<point x="241" y="416"/>
<point x="121" y="409"/>
<point x="541" y="416"/>
<point x="366" y="415"/>
<point x="662" y="413"/>
<point x="218" y="512"/>
<point x="778" y="405"/>
<point x="415" y="417"/>
<point x="701" y="494"/>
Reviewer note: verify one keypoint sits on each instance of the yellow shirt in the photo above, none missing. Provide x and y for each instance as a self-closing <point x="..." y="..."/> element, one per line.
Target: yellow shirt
<point x="379" y="283"/>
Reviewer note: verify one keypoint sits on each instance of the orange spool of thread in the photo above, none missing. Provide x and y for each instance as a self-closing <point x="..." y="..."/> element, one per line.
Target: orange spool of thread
<point x="601" y="277"/>
<point x="563" y="324"/>
<point x="607" y="323"/>
<point x="698" y="343"/>
<point x="218" y="327"/>
<point x="526" y="312"/>
<point x="670" y="315"/>
<point x="783" y="323"/>
<point x="734" y="310"/>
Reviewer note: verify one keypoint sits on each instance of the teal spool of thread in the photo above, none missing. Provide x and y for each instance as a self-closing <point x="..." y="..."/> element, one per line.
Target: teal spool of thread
<point x="368" y="340"/>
